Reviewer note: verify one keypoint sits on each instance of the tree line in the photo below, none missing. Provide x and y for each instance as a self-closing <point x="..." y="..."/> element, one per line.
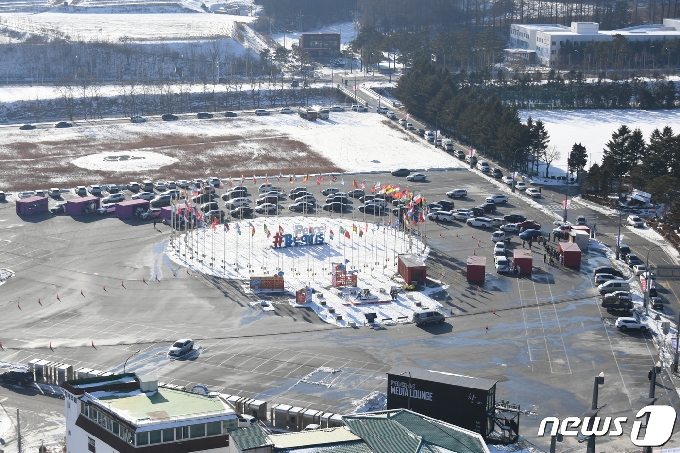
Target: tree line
<point x="629" y="161"/>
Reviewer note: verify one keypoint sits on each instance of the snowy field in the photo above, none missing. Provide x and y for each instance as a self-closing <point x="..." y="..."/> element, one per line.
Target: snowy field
<point x="368" y="250"/>
<point x="137" y="27"/>
<point x="594" y="128"/>
<point x="349" y="141"/>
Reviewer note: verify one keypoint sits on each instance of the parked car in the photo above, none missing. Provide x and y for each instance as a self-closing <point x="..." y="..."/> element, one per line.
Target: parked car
<point x="106" y="209"/>
<point x="58" y="208"/>
<point x="500" y="236"/>
<point x="416" y="177"/>
<point x="17" y="376"/>
<point x="54" y="193"/>
<point x="373" y="208"/>
<point x="519" y="185"/>
<point x="241" y="212"/>
<point x="639" y="269"/>
<point x="401" y="172"/>
<point x="501" y="264"/>
<point x="459" y="154"/>
<point x="181" y="347"/>
<point x="267" y="208"/>
<point x="581" y="220"/>
<point x="339" y="197"/>
<point x="635" y="221"/>
<point x="81" y="190"/>
<point x="507" y="179"/>
<point x="441" y="216"/>
<point x="457" y="193"/>
<point x="335" y="206"/>
<point x="63" y="124"/>
<point x="530" y="235"/>
<point x="497" y="173"/>
<point x="483" y="166"/>
<point x="356" y="193"/>
<point x="267" y="199"/>
<point x="204" y="115"/>
<point x="95" y="190"/>
<point x="337" y="108"/>
<point x="462" y="214"/>
<point x="326" y="192"/>
<point x="483" y="222"/>
<point x="497" y="222"/>
<point x="137" y="119"/>
<point x="261" y="112"/>
<point x="633" y="323"/>
<point x="529" y="225"/>
<point x="114" y="198"/>
<point x="428" y="316"/>
<point x="144" y="196"/>
<point x="169" y="117"/>
<point x="237" y="202"/>
<point x="656" y="303"/>
<point x="632" y="260"/>
<point x="496" y="199"/>
<point x="27" y="127"/>
<point x="160" y="186"/>
<point x="509" y="228"/>
<point x="433" y="207"/>
<point x="607" y="270"/>
<point x="302" y="206"/>
<point x="601" y="278"/>
<point x="446" y="205"/>
<point x="533" y="193"/>
<point x="230" y="114"/>
<point x="488" y="207"/>
<point x="286" y="111"/>
<point x="161" y="201"/>
<point x="515" y="218"/>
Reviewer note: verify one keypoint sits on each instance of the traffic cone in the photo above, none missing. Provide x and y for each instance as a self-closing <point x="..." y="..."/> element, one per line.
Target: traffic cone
<point x="143" y="280"/>
<point x="39" y="301"/>
<point x="474" y="252"/>
<point x="51" y="345"/>
<point x="157" y="278"/>
<point x="104" y="287"/>
<point x="58" y="298"/>
<point x="19" y="305"/>
<point x="93" y="344"/>
<point x="494" y="311"/>
<point x="473" y="236"/>
<point x="81" y="293"/>
<point x="187" y="270"/>
<point x="487" y="328"/>
<point x="122" y="283"/>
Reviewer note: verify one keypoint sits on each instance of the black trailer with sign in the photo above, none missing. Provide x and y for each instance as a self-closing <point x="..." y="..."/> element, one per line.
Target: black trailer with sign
<point x="464" y="401"/>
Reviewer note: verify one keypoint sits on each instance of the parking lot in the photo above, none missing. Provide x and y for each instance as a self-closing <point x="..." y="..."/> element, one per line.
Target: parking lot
<point x="543" y="338"/>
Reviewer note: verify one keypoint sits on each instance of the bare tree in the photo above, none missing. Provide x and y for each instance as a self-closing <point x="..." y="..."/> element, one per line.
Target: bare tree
<point x="550" y="155"/>
<point x="66" y="89"/>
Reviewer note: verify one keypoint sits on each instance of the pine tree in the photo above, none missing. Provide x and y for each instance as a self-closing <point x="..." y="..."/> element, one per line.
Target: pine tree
<point x="617" y="152"/>
<point x="578" y="158"/>
<point x="635" y="148"/>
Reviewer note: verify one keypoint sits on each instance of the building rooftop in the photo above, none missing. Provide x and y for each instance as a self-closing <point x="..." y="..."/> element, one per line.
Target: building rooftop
<point x="402" y="431"/>
<point x="249" y="437"/>
<point x="160" y="405"/>
<point x="315" y="437"/>
<point x="347" y="447"/>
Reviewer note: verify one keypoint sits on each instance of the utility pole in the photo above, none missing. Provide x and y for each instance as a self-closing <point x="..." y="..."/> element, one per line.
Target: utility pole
<point x="18" y="432"/>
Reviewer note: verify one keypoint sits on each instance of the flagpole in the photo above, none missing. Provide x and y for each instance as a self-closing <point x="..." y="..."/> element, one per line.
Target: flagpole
<point x="224" y="250"/>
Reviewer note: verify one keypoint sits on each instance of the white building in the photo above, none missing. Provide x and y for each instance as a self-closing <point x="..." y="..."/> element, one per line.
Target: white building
<point x="547" y="39"/>
<point x="126" y="413"/>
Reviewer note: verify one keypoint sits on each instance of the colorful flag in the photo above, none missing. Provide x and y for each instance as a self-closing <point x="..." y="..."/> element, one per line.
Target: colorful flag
<point x="377" y="224"/>
<point x="421" y="218"/>
<point x="266" y="179"/>
<point x="318" y="181"/>
<point x="291" y="179"/>
<point x="356" y="186"/>
<point x="265" y="228"/>
<point x="243" y="179"/>
<point x="252" y="230"/>
<point x="280" y="229"/>
<point x="361" y="233"/>
<point x="347" y="234"/>
<point x="323" y="179"/>
<point x="331" y="235"/>
<point x="342" y="181"/>
<point x="238" y="229"/>
<point x="342" y="230"/>
<point x="226" y="227"/>
<point x="333" y="178"/>
<point x="254" y="179"/>
<point x="231" y="183"/>
<point x="354" y="228"/>
<point x="215" y="222"/>
<point x="363" y="185"/>
<point x="280" y="177"/>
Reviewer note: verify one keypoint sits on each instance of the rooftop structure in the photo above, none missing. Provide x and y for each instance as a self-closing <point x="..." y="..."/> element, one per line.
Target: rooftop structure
<point x="547" y="39"/>
<point x="126" y="412"/>
<point x="391" y="431"/>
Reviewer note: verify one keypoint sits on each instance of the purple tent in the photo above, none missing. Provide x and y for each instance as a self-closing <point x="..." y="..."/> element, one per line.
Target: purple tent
<point x="126" y="209"/>
<point x="84" y="205"/>
<point x="32" y="205"/>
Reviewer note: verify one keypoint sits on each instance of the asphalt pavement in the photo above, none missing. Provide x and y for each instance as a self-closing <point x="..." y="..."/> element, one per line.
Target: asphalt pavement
<point x="97" y="289"/>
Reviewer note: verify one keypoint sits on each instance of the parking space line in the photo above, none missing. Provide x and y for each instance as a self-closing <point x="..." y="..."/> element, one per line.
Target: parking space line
<point x="253" y="357"/>
<point x="559" y="328"/>
<point x="300" y="366"/>
<point x="268" y="360"/>
<point x="524" y="315"/>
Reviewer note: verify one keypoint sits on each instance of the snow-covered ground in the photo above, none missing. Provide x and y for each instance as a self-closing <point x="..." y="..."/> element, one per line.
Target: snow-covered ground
<point x="137" y="27"/>
<point x="594" y="128"/>
<point x="369" y="250"/>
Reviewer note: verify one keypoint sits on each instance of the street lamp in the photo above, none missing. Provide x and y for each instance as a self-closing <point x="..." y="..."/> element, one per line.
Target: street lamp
<point x="126" y="360"/>
<point x="618" y="238"/>
<point x="514" y="157"/>
<point x="652" y="389"/>
<point x="647" y="279"/>
<point x="599" y="380"/>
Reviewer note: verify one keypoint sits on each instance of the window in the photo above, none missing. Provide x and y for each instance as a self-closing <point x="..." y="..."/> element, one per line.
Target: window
<point x="90" y="445"/>
<point x="168" y="435"/>
<point x="197" y="431"/>
<point x="142" y="439"/>
<point x="116" y="428"/>
<point x="93" y="414"/>
<point x="232" y="423"/>
<point x="214" y="428"/>
<point x="84" y="409"/>
<point x="182" y="433"/>
<point x="155" y="437"/>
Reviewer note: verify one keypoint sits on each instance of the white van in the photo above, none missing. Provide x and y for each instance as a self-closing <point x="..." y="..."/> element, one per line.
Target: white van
<point x="613" y="285"/>
<point x="502" y="264"/>
<point x="265" y="188"/>
<point x="448" y="145"/>
<point x="500" y="236"/>
<point x="421" y="317"/>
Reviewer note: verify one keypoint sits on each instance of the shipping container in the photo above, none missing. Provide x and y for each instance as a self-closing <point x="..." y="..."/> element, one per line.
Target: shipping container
<point x="32" y="205"/>
<point x="81" y="206"/>
<point x="579" y="237"/>
<point x="412" y="269"/>
<point x="127" y="209"/>
<point x="522" y="259"/>
<point x="476" y="268"/>
<point x="571" y="254"/>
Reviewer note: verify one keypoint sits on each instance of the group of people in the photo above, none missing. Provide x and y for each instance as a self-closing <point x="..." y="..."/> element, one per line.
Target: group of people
<point x="551" y="254"/>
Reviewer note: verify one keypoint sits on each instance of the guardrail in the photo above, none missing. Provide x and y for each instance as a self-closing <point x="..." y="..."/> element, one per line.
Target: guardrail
<point x="381" y="99"/>
<point x="347" y="92"/>
<point x="668" y="271"/>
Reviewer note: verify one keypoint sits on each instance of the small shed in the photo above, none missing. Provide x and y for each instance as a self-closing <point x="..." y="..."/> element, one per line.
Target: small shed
<point x="166" y="211"/>
<point x="32" y="205"/>
<point x="580" y="237"/>
<point x="523" y="260"/>
<point x="571" y="254"/>
<point x="476" y="268"/>
<point x="84" y="205"/>
<point x="585" y="228"/>
<point x="412" y="269"/>
<point x="126" y="209"/>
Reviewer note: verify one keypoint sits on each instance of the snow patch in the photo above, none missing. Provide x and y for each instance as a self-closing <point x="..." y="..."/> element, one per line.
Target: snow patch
<point x="126" y="161"/>
<point x="374" y="401"/>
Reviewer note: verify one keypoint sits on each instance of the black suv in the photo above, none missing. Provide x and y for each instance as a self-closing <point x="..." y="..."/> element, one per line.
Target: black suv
<point x="204" y="115"/>
<point x="169" y="117"/>
<point x="62" y="124"/>
<point x="19" y="377"/>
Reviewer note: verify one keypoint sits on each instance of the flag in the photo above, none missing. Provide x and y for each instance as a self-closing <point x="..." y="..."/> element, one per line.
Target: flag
<point x="566" y="204"/>
<point x="231" y="183"/>
<point x="265" y="228"/>
<point x="304" y="179"/>
<point x="354" y="228"/>
<point x="291" y="179"/>
<point x="377" y="225"/>
<point x="396" y="223"/>
<point x="266" y="179"/>
<point x="280" y="229"/>
<point x="421" y="218"/>
<point x="363" y="185"/>
<point x="318" y="181"/>
<point x="280" y="177"/>
<point x="331" y="235"/>
<point x="356" y="186"/>
<point x="269" y="233"/>
<point x="323" y="179"/>
<point x="254" y="179"/>
<point x="215" y="222"/>
<point x="372" y="189"/>
<point x="347" y="234"/>
<point x="221" y="185"/>
<point x="342" y="230"/>
<point x="618" y="239"/>
<point x="333" y="178"/>
<point x="238" y="229"/>
<point x="417" y="199"/>
<point x="226" y="227"/>
<point x="243" y="179"/>
<point x="361" y="233"/>
<point x="252" y="230"/>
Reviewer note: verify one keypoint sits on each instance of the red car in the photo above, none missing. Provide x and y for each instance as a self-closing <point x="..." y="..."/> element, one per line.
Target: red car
<point x="529" y="225"/>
